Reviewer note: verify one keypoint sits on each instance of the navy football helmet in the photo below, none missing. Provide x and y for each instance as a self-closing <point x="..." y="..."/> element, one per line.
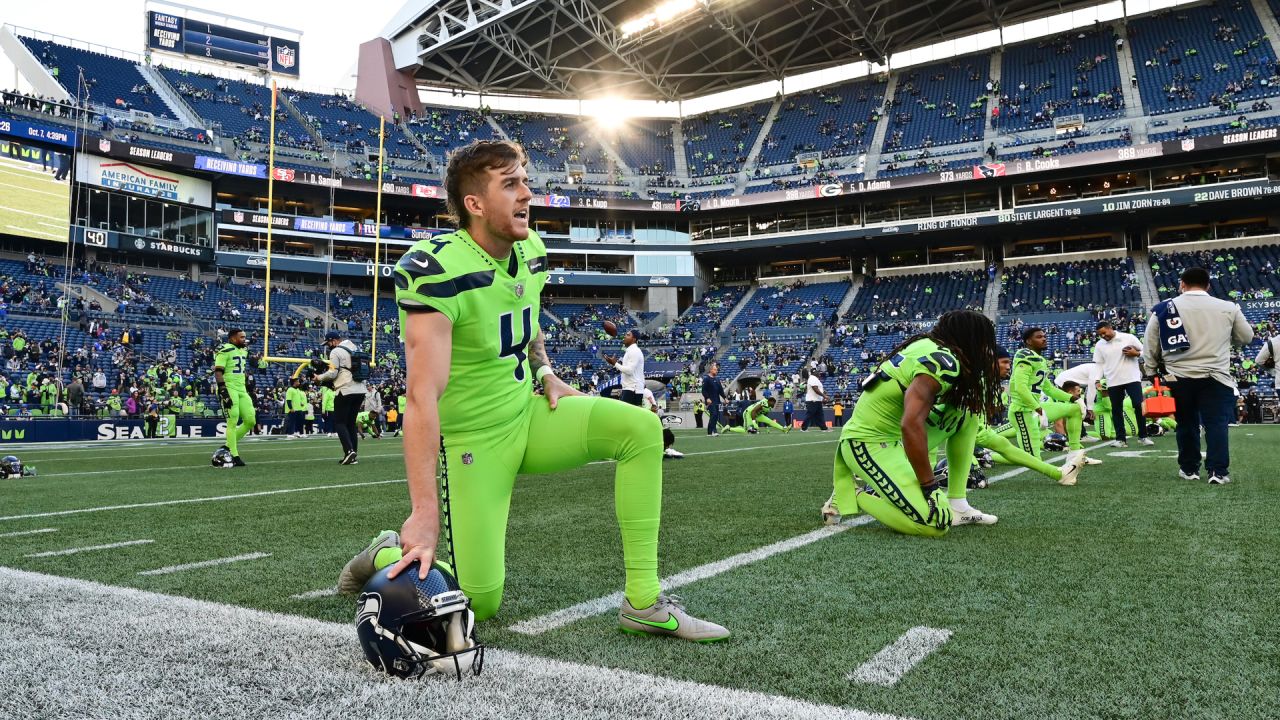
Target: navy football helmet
<point x="1055" y="442"/>
<point x="976" y="480"/>
<point x="222" y="458"/>
<point x="10" y="466"/>
<point x="410" y="627"/>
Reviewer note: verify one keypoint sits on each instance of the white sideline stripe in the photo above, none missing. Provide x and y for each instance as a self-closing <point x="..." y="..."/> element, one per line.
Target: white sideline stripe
<point x="741" y="449"/>
<point x="73" y="551"/>
<point x="887" y="667"/>
<point x="205" y="564"/>
<point x="20" y="533"/>
<point x="187" y="501"/>
<point x="189" y="466"/>
<point x="589" y="608"/>
<point x="54" y="618"/>
<point x="560" y="618"/>
<point x="313" y="594"/>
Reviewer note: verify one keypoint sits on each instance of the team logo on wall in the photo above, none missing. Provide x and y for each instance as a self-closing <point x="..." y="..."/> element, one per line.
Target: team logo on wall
<point x="284" y="174"/>
<point x="286" y="56"/>
<point x="1188" y="144"/>
<point x="104" y="145"/>
<point x="238" y="217"/>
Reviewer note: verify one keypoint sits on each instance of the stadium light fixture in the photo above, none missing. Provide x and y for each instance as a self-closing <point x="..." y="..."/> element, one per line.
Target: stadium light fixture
<point x="659" y="15"/>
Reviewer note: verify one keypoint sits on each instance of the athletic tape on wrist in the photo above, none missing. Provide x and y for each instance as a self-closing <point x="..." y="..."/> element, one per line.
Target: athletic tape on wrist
<point x="542" y="372"/>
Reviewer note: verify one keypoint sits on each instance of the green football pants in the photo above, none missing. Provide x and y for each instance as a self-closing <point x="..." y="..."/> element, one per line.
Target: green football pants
<point x="1023" y="427"/>
<point x="1107" y="431"/>
<point x="480" y="471"/>
<point x="749" y="423"/>
<point x="896" y="500"/>
<point x="1005" y="452"/>
<point x="240" y="419"/>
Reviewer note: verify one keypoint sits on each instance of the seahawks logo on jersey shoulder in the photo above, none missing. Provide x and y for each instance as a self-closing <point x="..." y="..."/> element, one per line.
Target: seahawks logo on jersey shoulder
<point x="227" y="347"/>
<point x="1026" y="355"/>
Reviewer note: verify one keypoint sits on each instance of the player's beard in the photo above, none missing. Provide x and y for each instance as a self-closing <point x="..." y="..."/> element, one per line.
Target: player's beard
<point x="511" y="230"/>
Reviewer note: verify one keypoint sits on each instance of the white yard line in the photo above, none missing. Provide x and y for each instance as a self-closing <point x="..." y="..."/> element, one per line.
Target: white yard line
<point x="560" y="618"/>
<point x="887" y="667"/>
<point x="205" y="563"/>
<point x="187" y="501"/>
<point x="20" y="533"/>
<point x="589" y="608"/>
<point x="90" y="548"/>
<point x="236" y="654"/>
<point x="313" y="594"/>
<point x="189" y="466"/>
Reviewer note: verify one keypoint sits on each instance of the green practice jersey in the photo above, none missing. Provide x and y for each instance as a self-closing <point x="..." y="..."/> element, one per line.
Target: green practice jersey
<point x="759" y="407"/>
<point x="1030" y="378"/>
<point x="295" y="400"/>
<point x="877" y="417"/>
<point x="233" y="361"/>
<point x="493" y="305"/>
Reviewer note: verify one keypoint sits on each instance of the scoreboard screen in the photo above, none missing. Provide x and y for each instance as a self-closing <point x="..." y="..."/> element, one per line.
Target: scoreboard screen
<point x="200" y="39"/>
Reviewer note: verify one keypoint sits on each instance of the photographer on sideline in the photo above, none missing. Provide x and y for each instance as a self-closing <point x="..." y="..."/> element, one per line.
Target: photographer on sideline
<point x="350" y="391"/>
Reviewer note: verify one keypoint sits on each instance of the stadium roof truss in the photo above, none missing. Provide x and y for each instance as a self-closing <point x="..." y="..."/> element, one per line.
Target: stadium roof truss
<point x="578" y="49"/>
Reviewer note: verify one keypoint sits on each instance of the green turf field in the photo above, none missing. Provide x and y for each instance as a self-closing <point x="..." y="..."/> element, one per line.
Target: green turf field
<point x="1132" y="595"/>
<point x="32" y="203"/>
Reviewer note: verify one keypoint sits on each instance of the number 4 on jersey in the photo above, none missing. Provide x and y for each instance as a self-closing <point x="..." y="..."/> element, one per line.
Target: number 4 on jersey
<point x="512" y="348"/>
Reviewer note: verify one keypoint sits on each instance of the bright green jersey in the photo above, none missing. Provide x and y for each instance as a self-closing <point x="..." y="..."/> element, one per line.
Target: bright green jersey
<point x="295" y="400"/>
<point x="363" y="420"/>
<point x="1030" y="378"/>
<point x="759" y="407"/>
<point x="493" y="305"/>
<point x="327" y="398"/>
<point x="877" y="417"/>
<point x="233" y="361"/>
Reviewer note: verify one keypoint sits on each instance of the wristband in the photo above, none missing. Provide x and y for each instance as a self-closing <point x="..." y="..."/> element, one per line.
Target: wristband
<point x="542" y="372"/>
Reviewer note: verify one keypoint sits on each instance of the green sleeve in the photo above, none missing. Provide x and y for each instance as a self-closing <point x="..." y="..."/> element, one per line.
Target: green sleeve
<point x="1056" y="393"/>
<point x="1020" y="386"/>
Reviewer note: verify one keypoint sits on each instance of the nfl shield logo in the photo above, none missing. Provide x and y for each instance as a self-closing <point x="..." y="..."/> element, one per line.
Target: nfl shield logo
<point x="467" y="459"/>
<point x="285" y="56"/>
<point x="518" y="289"/>
<point x="104" y="145"/>
<point x="1188" y="144"/>
<point x="239" y="217"/>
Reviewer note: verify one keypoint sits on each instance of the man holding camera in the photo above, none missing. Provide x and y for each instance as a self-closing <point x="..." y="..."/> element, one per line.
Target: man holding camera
<point x="350" y="392"/>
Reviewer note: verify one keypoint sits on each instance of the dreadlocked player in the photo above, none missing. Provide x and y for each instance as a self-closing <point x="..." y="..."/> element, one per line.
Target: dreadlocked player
<point x="932" y="390"/>
<point x="757" y="414"/>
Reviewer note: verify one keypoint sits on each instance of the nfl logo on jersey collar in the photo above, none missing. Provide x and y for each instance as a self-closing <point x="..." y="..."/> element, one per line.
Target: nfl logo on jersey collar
<point x="518" y="289"/>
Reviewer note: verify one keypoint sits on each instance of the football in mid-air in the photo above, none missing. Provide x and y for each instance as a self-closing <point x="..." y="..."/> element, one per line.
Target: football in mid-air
<point x="611" y="327"/>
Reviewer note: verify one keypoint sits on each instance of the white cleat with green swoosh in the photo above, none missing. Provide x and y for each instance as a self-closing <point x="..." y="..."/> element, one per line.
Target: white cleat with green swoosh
<point x="667" y="616"/>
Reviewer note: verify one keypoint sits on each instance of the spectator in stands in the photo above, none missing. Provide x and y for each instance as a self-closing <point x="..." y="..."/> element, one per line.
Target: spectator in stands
<point x="1194" y="357"/>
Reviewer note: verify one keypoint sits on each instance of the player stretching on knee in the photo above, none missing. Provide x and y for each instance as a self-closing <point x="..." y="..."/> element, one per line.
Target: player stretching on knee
<point x="1003" y="451"/>
<point x="1030" y="378"/>
<point x="1106" y="427"/>
<point x="469" y="304"/>
<point x="930" y="392"/>
<point x="757" y="414"/>
<point x="229" y="367"/>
